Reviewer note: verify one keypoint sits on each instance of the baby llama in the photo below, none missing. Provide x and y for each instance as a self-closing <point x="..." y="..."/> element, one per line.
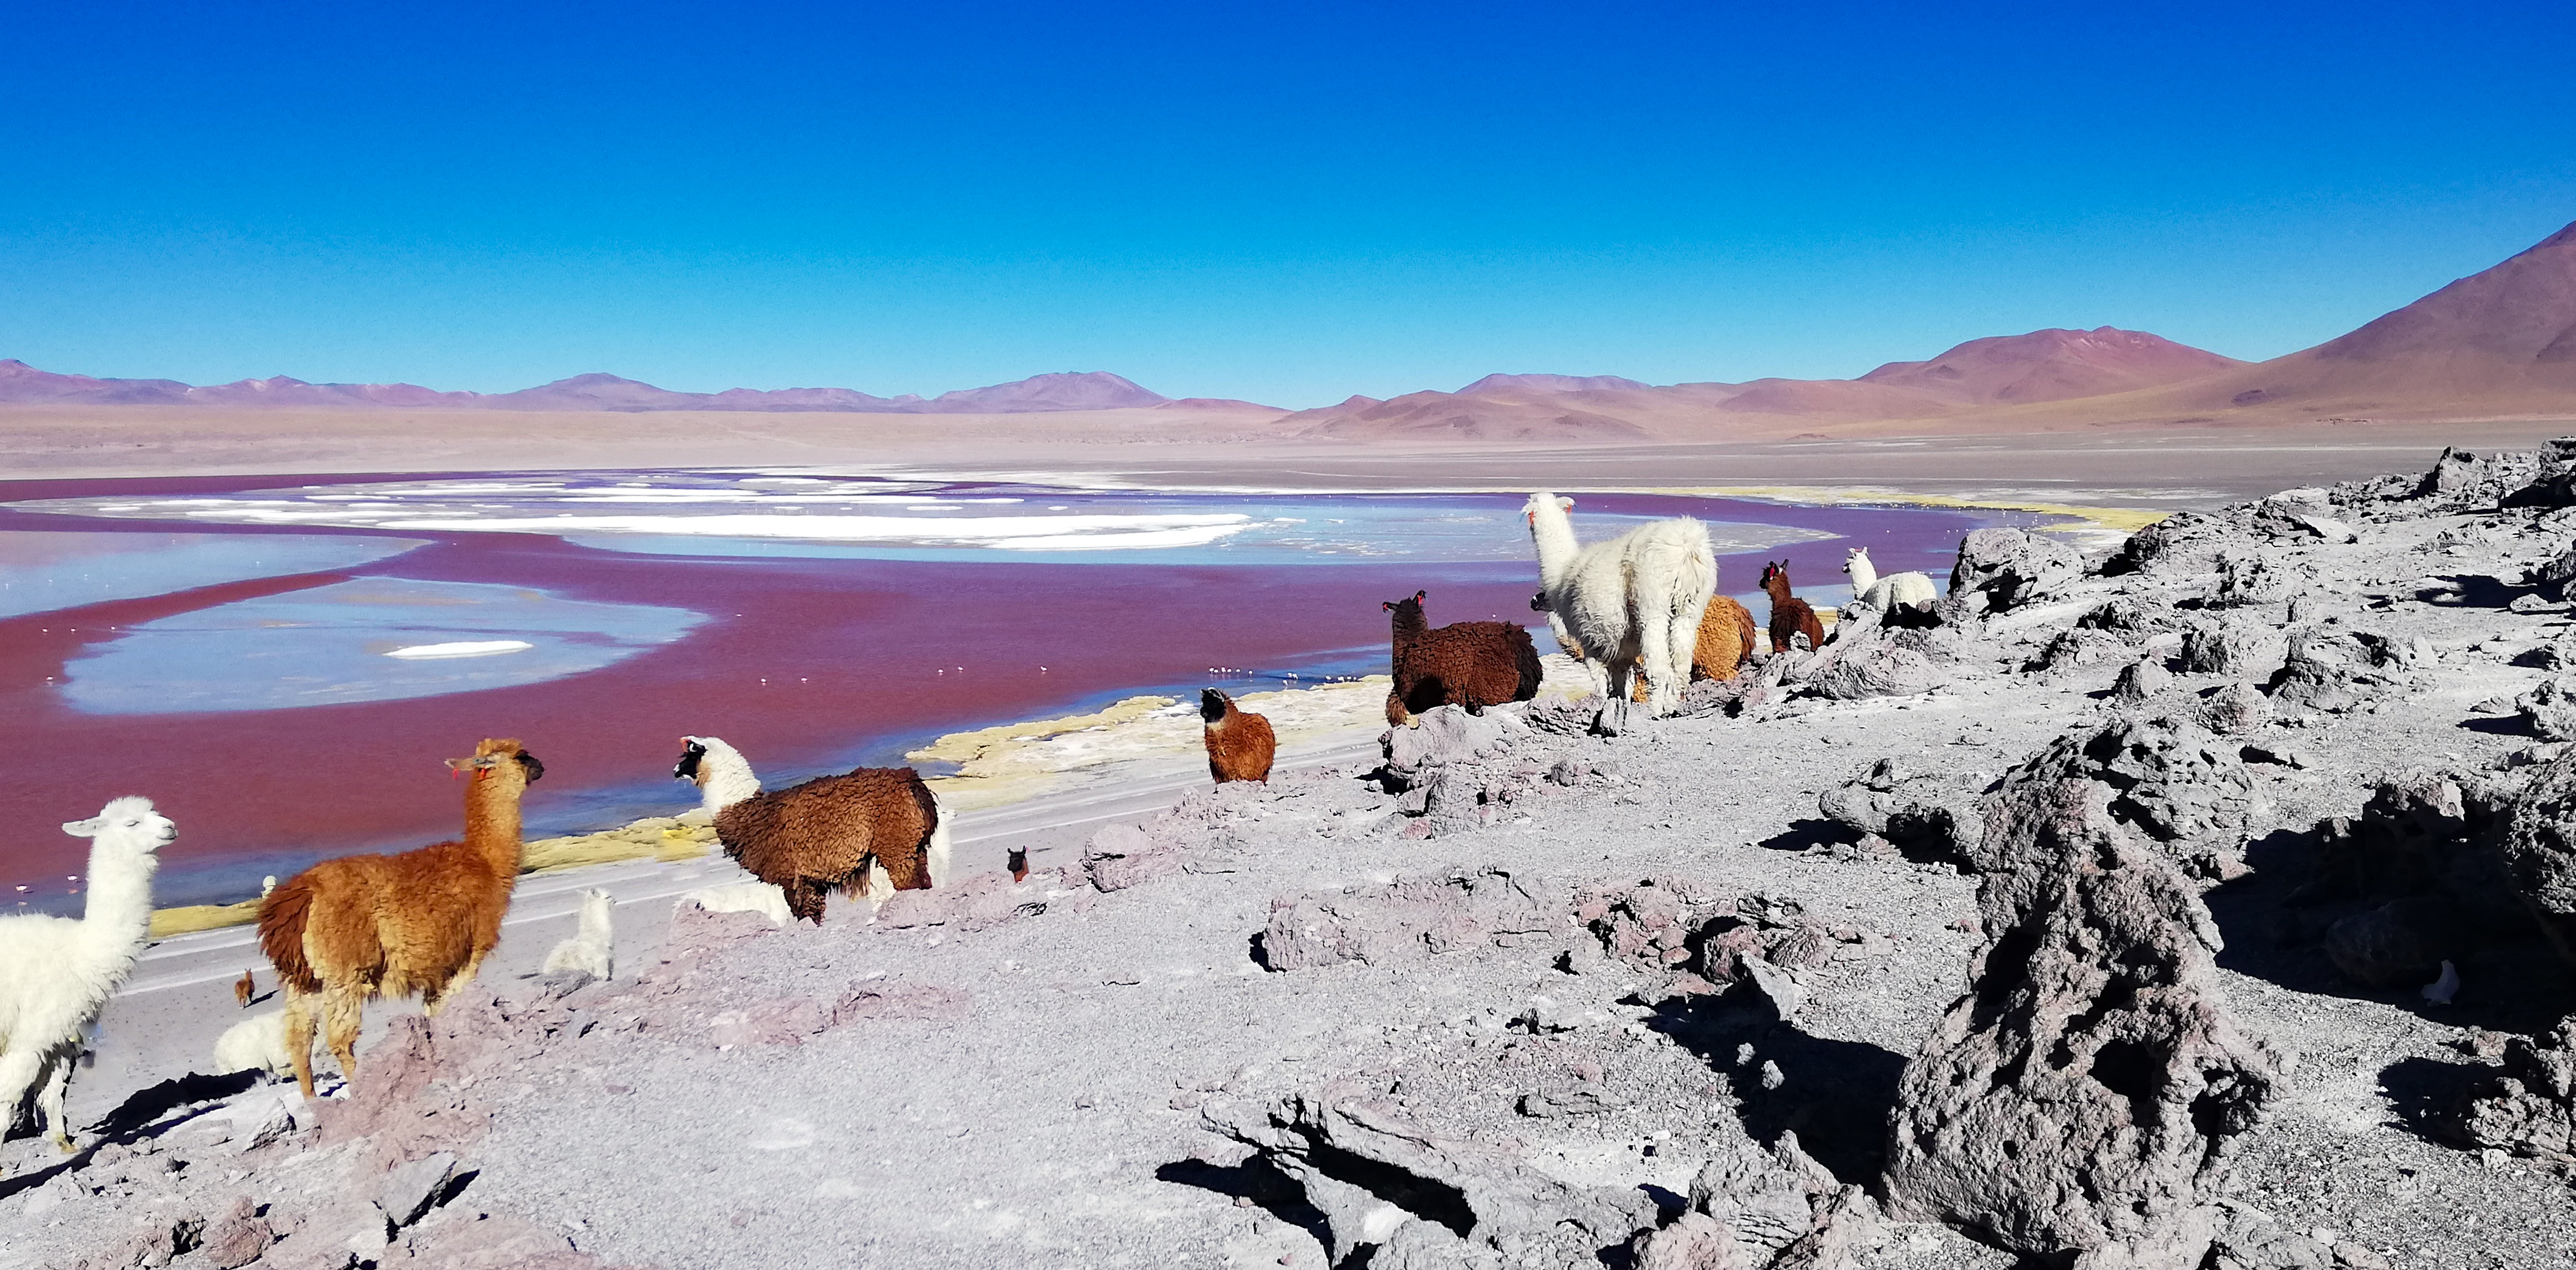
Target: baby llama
<point x="742" y="897"/>
<point x="589" y="949"/>
<point x="1471" y="664"/>
<point x="1635" y="600"/>
<point x="1790" y="616"/>
<point x="1879" y="594"/>
<point x="61" y="971"/>
<point x="874" y="831"/>
<point x="1239" y="745"/>
<point x="392" y="925"/>
<point x="257" y="1043"/>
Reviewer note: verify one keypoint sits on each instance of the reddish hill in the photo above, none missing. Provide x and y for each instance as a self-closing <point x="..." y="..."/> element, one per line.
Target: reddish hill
<point x="1067" y="390"/>
<point x="1549" y="383"/>
<point x="2053" y="365"/>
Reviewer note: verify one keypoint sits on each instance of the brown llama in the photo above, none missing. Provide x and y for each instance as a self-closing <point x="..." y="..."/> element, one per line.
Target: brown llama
<point x="243" y="988"/>
<point x="872" y="831"/>
<point x="1790" y="616"/>
<point x="392" y="925"/>
<point x="1239" y="745"/>
<point x="1471" y="664"/>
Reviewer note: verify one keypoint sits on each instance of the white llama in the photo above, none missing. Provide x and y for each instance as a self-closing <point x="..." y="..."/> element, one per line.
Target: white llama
<point x="257" y="1043"/>
<point x="590" y="948"/>
<point x="742" y="897"/>
<point x="56" y="973"/>
<point x="1878" y="593"/>
<point x="1633" y="601"/>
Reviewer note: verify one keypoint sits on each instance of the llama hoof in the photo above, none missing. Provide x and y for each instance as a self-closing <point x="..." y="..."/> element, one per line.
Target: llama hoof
<point x="64" y="1143"/>
<point x="1613" y="719"/>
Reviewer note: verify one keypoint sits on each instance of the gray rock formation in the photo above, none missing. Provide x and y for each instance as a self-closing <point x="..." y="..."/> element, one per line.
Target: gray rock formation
<point x="2140" y="680"/>
<point x="2528" y="1106"/>
<point x="2171" y="780"/>
<point x="2248" y="578"/>
<point x="2239" y="645"/>
<point x="1420" y="1199"/>
<point x="2006" y="569"/>
<point x="1442" y="737"/>
<point x="2087" y="1087"/>
<point x="2321" y="672"/>
<point x="2549" y="709"/>
<point x="1752" y="1209"/>
<point x="2540" y="851"/>
<point x="1406" y="919"/>
<point x="2238" y="709"/>
<point x="1933" y="812"/>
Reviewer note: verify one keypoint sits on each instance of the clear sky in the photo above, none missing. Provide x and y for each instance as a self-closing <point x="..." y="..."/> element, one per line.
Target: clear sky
<point x="1288" y="203"/>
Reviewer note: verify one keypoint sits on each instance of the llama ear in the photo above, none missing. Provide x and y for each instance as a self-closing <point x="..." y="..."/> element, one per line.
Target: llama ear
<point x="84" y="828"/>
<point x="1420" y="596"/>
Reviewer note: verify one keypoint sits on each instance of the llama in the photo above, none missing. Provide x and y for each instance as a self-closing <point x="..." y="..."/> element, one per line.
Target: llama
<point x="1471" y="664"/>
<point x="1882" y="593"/>
<point x="1239" y="746"/>
<point x="872" y="832"/>
<point x="421" y="922"/>
<point x="1634" y="600"/>
<point x="1018" y="863"/>
<point x="1724" y="645"/>
<point x="590" y="949"/>
<point x="243" y="989"/>
<point x="1790" y="616"/>
<point x="257" y="1043"/>
<point x="62" y="970"/>
<point x="743" y="897"/>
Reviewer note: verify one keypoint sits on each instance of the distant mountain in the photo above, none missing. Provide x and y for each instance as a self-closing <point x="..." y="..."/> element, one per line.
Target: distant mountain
<point x="2053" y="365"/>
<point x="1551" y="383"/>
<point x="1089" y="390"/>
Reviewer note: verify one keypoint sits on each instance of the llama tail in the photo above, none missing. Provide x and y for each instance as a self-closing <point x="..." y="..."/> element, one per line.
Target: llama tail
<point x="935" y="859"/>
<point x="281" y="933"/>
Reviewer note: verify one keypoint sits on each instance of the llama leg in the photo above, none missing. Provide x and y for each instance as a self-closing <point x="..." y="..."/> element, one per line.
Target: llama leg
<point x="19" y="1069"/>
<point x="343" y="1009"/>
<point x="299" y="1036"/>
<point x="436" y="999"/>
<point x="50" y="1100"/>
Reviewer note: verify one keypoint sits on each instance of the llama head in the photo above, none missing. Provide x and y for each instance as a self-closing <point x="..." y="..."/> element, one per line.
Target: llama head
<point x="692" y="764"/>
<point x="1542" y="501"/>
<point x="1855" y="555"/>
<point x="129" y="818"/>
<point x="1400" y="607"/>
<point x="1213" y="705"/>
<point x="500" y="760"/>
<point x="1538" y="601"/>
<point x="1773" y="569"/>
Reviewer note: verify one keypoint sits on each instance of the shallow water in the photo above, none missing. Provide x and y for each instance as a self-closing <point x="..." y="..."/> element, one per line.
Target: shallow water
<point x="270" y="714"/>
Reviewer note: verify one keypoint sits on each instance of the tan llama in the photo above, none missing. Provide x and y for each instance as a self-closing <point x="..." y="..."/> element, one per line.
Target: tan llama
<point x="394" y="925"/>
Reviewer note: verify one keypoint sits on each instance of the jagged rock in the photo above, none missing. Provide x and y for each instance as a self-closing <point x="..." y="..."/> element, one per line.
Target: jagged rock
<point x="2236" y="646"/>
<point x="2140" y="680"/>
<point x="2461" y="478"/>
<point x="1372" y="1174"/>
<point x="1776" y="986"/>
<point x="2247" y="1239"/>
<point x="2528" y="1106"/>
<point x="2077" y="1099"/>
<point x="408" y="1191"/>
<point x="2010" y="568"/>
<point x="1881" y="669"/>
<point x="2402" y="943"/>
<point x="1935" y="812"/>
<point x="2069" y="650"/>
<point x="1403" y="920"/>
<point x="2318" y="674"/>
<point x="2552" y="577"/>
<point x="2238" y="709"/>
<point x="1441" y="737"/>
<point x="2159" y="543"/>
<point x="1654" y="924"/>
<point x="2540" y="851"/>
<point x="2425" y="833"/>
<point x="1121" y="856"/>
<point x="2170" y="779"/>
<point x="237" y="1238"/>
<point x="2119" y="615"/>
<point x="2549" y="709"/>
<point x="1765" y="1210"/>
<point x="2551" y="480"/>
<point x="981" y="901"/>
<point x="2248" y="578"/>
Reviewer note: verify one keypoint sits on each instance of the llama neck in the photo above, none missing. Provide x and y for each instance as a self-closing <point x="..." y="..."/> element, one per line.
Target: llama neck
<point x="492" y="821"/>
<point x="1778" y="588"/>
<point x="1864" y="575"/>
<point x="1554" y="536"/>
<point x="1409" y="626"/>
<point x="594" y="918"/>
<point x="728" y="779"/>
<point x="119" y="908"/>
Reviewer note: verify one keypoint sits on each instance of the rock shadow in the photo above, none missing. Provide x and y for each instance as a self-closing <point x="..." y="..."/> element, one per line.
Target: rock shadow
<point x="1258" y="1181"/>
<point x="1807" y="834"/>
<point x="2423" y="1093"/>
<point x="1837" y="1096"/>
<point x="2512" y="984"/>
<point x="2498" y="724"/>
<point x="2470" y="591"/>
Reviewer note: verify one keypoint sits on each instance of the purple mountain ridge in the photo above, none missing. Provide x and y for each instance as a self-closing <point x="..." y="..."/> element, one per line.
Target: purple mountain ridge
<point x="22" y="384"/>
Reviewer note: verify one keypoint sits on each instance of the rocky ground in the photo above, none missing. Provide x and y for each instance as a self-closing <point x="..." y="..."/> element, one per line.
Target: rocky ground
<point x="2087" y="920"/>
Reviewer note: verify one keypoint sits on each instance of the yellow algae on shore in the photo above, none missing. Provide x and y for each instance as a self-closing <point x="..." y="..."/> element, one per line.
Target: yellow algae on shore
<point x="185" y="919"/>
<point x="1002" y="765"/>
<point x="2122" y="520"/>
<point x="663" y="838"/>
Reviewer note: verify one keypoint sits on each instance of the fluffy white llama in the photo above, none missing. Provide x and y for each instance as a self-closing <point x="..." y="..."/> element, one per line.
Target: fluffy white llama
<point x="726" y="778"/>
<point x="589" y="949"/>
<point x="60" y="972"/>
<point x="1878" y="593"/>
<point x="257" y="1043"/>
<point x="743" y="897"/>
<point x="1634" y="600"/>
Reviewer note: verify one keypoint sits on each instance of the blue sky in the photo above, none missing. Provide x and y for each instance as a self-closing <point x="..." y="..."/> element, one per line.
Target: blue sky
<point x="1286" y="203"/>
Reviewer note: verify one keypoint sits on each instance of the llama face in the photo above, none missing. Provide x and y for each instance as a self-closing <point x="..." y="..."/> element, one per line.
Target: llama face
<point x="1538" y="601"/>
<point x="687" y="769"/>
<point x="1856" y="555"/>
<point x="132" y="817"/>
<point x="1397" y="606"/>
<point x="498" y="757"/>
<point x="1212" y="704"/>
